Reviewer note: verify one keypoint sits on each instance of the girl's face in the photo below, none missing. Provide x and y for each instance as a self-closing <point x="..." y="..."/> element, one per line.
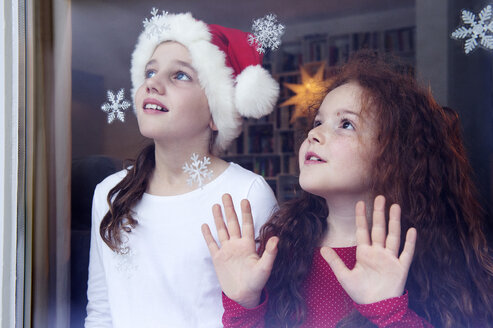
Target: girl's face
<point x="171" y="104"/>
<point x="337" y="155"/>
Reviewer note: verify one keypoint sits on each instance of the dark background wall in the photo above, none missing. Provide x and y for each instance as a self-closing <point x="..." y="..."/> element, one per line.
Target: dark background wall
<point x="471" y="94"/>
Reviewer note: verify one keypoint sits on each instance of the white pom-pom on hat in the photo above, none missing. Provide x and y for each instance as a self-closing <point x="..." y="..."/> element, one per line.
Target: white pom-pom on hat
<point x="256" y="92"/>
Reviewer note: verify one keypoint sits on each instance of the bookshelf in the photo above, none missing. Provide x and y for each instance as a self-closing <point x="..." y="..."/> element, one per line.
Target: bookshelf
<point x="399" y="41"/>
<point x="268" y="146"/>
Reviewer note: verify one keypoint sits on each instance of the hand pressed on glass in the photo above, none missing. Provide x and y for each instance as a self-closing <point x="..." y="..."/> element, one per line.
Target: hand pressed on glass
<point x="242" y="273"/>
<point x="380" y="273"/>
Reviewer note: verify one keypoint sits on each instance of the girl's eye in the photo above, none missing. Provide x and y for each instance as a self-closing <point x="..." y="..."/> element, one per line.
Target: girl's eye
<point x="182" y="76"/>
<point x="316" y="123"/>
<point x="345" y="124"/>
<point x="149" y="73"/>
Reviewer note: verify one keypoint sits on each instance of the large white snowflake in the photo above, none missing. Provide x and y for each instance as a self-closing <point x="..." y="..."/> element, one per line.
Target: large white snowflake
<point x="117" y="104"/>
<point x="481" y="29"/>
<point x="198" y="170"/>
<point x="156" y="25"/>
<point x="267" y="33"/>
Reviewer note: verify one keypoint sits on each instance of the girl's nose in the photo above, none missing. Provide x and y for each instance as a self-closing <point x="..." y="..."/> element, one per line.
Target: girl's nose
<point x="314" y="136"/>
<point x="154" y="85"/>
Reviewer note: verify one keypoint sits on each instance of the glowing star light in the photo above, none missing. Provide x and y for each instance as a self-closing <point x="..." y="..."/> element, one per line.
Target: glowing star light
<point x="478" y="30"/>
<point x="117" y="104"/>
<point x="198" y="170"/>
<point x="308" y="92"/>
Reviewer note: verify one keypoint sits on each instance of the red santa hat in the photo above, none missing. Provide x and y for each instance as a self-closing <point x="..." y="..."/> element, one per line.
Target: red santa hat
<point x="228" y="63"/>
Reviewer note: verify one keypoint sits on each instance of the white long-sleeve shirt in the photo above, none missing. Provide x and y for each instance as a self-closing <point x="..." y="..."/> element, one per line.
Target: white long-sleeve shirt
<point x="166" y="278"/>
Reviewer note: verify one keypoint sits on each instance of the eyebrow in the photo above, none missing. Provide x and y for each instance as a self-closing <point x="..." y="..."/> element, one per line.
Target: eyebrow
<point x="348" y="111"/>
<point x="150" y="62"/>
<point x="179" y="62"/>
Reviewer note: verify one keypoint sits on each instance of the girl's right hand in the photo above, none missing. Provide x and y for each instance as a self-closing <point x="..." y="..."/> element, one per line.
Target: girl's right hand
<point x="242" y="273"/>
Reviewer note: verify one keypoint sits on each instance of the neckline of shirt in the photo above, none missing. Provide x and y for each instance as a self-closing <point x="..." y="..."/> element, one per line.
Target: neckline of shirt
<point x="205" y="187"/>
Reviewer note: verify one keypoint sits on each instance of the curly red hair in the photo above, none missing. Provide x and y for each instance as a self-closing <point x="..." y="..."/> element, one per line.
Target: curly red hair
<point x="420" y="164"/>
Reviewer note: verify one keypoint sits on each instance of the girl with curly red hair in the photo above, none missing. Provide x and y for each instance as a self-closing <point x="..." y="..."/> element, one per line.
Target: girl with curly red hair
<point x="422" y="261"/>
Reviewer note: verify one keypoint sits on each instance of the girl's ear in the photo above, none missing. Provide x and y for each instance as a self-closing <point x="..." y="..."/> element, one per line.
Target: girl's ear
<point x="212" y="125"/>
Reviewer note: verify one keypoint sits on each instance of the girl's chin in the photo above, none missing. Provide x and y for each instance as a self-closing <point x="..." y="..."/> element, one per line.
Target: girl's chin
<point x="155" y="134"/>
<point x="310" y="188"/>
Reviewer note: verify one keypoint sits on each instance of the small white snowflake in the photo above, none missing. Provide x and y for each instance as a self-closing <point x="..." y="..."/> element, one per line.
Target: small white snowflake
<point x="156" y="25"/>
<point x="481" y="29"/>
<point x="267" y="33"/>
<point x="117" y="104"/>
<point x="198" y="171"/>
<point x="124" y="258"/>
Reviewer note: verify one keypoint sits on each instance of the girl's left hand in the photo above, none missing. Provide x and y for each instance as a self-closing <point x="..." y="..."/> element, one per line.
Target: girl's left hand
<point x="379" y="273"/>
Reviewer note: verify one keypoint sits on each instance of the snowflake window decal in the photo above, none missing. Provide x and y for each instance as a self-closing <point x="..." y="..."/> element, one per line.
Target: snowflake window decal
<point x="116" y="106"/>
<point x="125" y="257"/>
<point x="156" y="24"/>
<point x="481" y="29"/>
<point x="267" y="33"/>
<point x="198" y="170"/>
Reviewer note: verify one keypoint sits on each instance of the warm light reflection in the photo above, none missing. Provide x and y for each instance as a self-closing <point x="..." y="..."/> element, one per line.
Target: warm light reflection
<point x="307" y="93"/>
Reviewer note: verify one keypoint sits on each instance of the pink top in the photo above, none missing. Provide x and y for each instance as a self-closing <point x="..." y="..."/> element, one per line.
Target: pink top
<point x="327" y="302"/>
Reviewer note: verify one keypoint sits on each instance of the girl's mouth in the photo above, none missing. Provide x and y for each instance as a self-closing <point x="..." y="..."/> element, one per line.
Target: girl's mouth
<point x="312" y="158"/>
<point x="155" y="107"/>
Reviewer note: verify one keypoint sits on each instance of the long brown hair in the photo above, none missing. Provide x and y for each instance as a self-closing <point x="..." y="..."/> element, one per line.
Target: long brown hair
<point x="124" y="196"/>
<point x="421" y="165"/>
<point x="127" y="193"/>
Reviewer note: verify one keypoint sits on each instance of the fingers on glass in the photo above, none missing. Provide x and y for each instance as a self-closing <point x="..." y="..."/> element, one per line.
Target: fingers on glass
<point x="231" y="227"/>
<point x="247" y="225"/>
<point x="222" y="231"/>
<point x="394" y="237"/>
<point x="267" y="259"/>
<point x="362" y="236"/>
<point x="209" y="239"/>
<point x="407" y="253"/>
<point x="231" y="217"/>
<point x="378" y="231"/>
<point x="379" y="235"/>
